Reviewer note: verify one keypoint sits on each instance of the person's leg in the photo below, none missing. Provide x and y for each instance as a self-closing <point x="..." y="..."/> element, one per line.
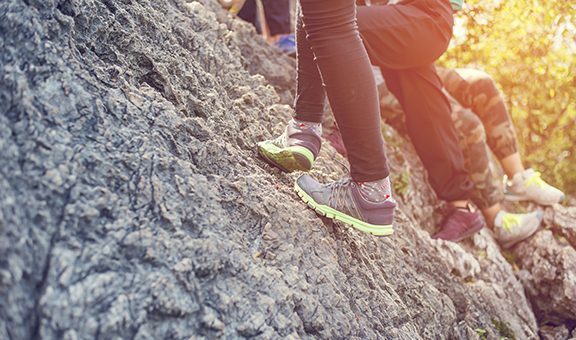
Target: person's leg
<point x="310" y="95"/>
<point x="404" y="40"/>
<point x="477" y="90"/>
<point x="299" y="145"/>
<point x="486" y="194"/>
<point x="406" y="36"/>
<point x="249" y="13"/>
<point x="364" y="200"/>
<point x="472" y="138"/>
<point x="512" y="164"/>
<point x="431" y="129"/>
<point x="507" y="228"/>
<point x="432" y="132"/>
<point x="277" y="13"/>
<point x="331" y="31"/>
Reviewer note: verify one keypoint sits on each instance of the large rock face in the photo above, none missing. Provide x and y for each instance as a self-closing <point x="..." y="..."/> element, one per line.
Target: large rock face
<point x="133" y="204"/>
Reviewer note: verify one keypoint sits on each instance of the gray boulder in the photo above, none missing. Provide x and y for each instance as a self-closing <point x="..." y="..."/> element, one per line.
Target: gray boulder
<point x="133" y="204"/>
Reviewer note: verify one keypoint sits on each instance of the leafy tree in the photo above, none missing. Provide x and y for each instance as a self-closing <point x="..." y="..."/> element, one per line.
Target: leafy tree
<point x="529" y="47"/>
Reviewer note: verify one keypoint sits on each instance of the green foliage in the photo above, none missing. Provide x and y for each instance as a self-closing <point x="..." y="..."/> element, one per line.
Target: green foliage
<point x="503" y="329"/>
<point x="529" y="48"/>
<point x="401" y="183"/>
<point x="482" y="333"/>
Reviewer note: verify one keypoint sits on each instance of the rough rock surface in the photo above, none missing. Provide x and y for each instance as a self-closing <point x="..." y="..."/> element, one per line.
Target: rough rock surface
<point x="548" y="263"/>
<point x="133" y="204"/>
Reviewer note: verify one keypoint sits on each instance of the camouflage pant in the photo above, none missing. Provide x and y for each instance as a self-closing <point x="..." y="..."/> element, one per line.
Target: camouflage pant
<point x="481" y="120"/>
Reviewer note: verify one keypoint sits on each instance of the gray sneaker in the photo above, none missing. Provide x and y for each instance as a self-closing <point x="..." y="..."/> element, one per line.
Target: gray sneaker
<point x="529" y="186"/>
<point x="510" y="229"/>
<point x="296" y="148"/>
<point x="350" y="202"/>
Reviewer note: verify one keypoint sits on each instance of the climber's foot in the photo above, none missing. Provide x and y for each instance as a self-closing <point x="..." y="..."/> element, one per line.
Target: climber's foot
<point x="296" y="149"/>
<point x="529" y="186"/>
<point x="510" y="229"/>
<point x="459" y="224"/>
<point x="364" y="206"/>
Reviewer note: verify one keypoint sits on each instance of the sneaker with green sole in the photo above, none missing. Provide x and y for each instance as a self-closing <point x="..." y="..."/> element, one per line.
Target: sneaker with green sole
<point x="296" y="149"/>
<point x="510" y="229"/>
<point x="345" y="201"/>
<point x="529" y="186"/>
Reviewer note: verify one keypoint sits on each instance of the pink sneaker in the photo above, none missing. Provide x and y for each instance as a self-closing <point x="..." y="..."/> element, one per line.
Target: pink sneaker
<point x="460" y="224"/>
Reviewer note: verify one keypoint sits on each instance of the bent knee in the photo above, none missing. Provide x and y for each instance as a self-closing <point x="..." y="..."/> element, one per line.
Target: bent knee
<point x="479" y="80"/>
<point x="469" y="126"/>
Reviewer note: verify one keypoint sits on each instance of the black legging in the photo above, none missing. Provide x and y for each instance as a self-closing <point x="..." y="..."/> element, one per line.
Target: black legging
<point x="332" y="58"/>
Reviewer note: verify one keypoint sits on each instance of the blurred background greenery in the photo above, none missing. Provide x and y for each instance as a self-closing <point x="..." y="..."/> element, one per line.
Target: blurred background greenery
<point x="529" y="48"/>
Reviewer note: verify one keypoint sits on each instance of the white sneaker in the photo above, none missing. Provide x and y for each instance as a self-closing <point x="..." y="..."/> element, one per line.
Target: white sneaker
<point x="529" y="186"/>
<point x="510" y="229"/>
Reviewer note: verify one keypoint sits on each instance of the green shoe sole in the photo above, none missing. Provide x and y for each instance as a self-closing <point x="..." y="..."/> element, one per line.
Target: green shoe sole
<point x="289" y="159"/>
<point x="324" y="210"/>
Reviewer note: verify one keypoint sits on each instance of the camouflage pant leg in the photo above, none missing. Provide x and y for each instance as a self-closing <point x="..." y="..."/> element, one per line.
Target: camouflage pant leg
<point x="476" y="91"/>
<point x="472" y="139"/>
